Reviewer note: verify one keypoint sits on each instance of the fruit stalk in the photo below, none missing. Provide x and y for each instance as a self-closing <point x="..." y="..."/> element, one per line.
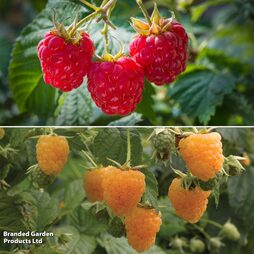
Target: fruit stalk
<point x="144" y="11"/>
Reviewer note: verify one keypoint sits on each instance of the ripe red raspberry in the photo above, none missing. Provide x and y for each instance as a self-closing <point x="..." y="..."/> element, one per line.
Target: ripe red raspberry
<point x="64" y="64"/>
<point x="52" y="154"/>
<point x="202" y="154"/>
<point x="116" y="86"/>
<point x="163" y="56"/>
<point x="141" y="227"/>
<point x="189" y="204"/>
<point x="122" y="190"/>
<point x="160" y="47"/>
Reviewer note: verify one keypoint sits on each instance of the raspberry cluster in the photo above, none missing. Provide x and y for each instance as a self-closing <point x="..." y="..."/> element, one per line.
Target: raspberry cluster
<point x="121" y="190"/>
<point x="158" y="52"/>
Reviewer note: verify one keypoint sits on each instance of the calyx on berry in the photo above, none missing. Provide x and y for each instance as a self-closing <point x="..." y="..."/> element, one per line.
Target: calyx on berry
<point x="154" y="25"/>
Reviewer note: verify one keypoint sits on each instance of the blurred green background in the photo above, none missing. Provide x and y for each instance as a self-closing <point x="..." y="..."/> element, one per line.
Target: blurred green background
<point x="216" y="89"/>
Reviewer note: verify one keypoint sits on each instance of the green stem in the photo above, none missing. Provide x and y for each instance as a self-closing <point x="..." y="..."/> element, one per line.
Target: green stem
<point x="89" y="158"/>
<point x="84" y="20"/>
<point x="90" y="5"/>
<point x="144" y="11"/>
<point x="105" y="33"/>
<point x="214" y="223"/>
<point x="128" y="158"/>
<point x="202" y="231"/>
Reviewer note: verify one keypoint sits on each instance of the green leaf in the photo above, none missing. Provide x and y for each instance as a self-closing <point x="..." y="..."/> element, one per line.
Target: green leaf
<point x="199" y="91"/>
<point x="198" y="10"/>
<point x="151" y="192"/>
<point x="145" y="107"/>
<point x="112" y="143"/>
<point x="44" y="209"/>
<point x="120" y="245"/>
<point x="73" y="196"/>
<point x="77" y="108"/>
<point x="11" y="218"/>
<point x="90" y="221"/>
<point x="240" y="196"/>
<point x="78" y="243"/>
<point x="171" y="224"/>
<point x="129" y="120"/>
<point x="25" y="76"/>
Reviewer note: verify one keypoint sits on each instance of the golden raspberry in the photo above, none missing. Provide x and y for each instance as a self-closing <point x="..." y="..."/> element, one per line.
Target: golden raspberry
<point x="202" y="154"/>
<point x="2" y="132"/>
<point x="123" y="190"/>
<point x="188" y="204"/>
<point x="52" y="153"/>
<point x="141" y="227"/>
<point x="93" y="183"/>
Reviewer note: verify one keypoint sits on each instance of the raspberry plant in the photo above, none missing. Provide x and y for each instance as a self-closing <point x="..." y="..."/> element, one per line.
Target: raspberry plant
<point x="194" y="50"/>
<point x="112" y="195"/>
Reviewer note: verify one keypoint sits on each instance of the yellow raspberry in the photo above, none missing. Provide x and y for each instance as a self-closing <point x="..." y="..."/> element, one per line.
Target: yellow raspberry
<point x="93" y="183"/>
<point x="2" y="132"/>
<point x="141" y="226"/>
<point x="52" y="153"/>
<point x="188" y="204"/>
<point x="123" y="190"/>
<point x="202" y="154"/>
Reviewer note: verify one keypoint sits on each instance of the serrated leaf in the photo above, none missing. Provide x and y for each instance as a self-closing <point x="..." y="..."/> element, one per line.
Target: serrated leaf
<point x="90" y="222"/>
<point x="112" y="143"/>
<point x="73" y="196"/>
<point x="151" y="192"/>
<point x="199" y="91"/>
<point x="44" y="209"/>
<point x="129" y="120"/>
<point x="26" y="81"/>
<point x="240" y="196"/>
<point x="78" y="243"/>
<point x="171" y="224"/>
<point x="77" y="108"/>
<point x="11" y="218"/>
<point x="120" y="245"/>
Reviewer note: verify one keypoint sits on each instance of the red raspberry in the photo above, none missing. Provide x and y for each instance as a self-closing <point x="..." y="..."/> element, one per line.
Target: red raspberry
<point x="162" y="55"/>
<point x="116" y="86"/>
<point x="65" y="64"/>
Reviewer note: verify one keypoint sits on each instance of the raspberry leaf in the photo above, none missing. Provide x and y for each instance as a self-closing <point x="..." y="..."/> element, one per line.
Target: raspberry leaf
<point x="129" y="120"/>
<point x="240" y="196"/>
<point x="26" y="81"/>
<point x="78" y="242"/>
<point x="112" y="144"/>
<point x="120" y="245"/>
<point x="200" y="90"/>
<point x="11" y="218"/>
<point x="44" y="209"/>
<point x="75" y="108"/>
<point x="151" y="192"/>
<point x="73" y="196"/>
